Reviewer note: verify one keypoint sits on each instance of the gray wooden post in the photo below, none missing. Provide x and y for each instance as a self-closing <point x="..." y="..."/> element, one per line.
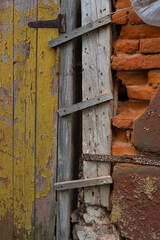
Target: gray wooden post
<point x="67" y="143"/>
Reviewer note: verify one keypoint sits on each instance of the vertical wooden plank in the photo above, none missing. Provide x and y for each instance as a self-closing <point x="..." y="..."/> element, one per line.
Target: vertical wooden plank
<point x="67" y="145"/>
<point x="24" y="118"/>
<point x="96" y="53"/>
<point x="6" y="123"/>
<point x="46" y="137"/>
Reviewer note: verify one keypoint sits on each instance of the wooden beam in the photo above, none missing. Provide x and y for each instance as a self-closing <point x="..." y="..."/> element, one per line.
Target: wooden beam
<point x="83" y="183"/>
<point x="134" y="159"/>
<point x="80" y="31"/>
<point x="96" y="80"/>
<point x="67" y="136"/>
<point x="86" y="104"/>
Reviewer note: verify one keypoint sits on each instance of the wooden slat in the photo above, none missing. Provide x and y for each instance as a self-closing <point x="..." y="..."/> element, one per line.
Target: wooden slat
<point x="86" y="104"/>
<point x="24" y="118"/>
<point x="134" y="159"/>
<point x="6" y="119"/>
<point x="96" y="53"/>
<point x="80" y="31"/>
<point x="83" y="183"/>
<point x="67" y="139"/>
<point x="46" y="130"/>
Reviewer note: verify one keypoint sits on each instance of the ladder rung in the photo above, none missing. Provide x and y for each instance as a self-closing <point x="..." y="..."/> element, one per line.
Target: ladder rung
<point x="86" y="104"/>
<point x="80" y="31"/>
<point x="89" y="182"/>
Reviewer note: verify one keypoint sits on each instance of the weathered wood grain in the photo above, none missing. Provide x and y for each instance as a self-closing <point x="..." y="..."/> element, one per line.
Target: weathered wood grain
<point x="80" y="31"/>
<point x="67" y="142"/>
<point x="6" y="120"/>
<point x="96" y="53"/>
<point x="85" y="104"/>
<point x="61" y="186"/>
<point x="24" y="118"/>
<point x="46" y="125"/>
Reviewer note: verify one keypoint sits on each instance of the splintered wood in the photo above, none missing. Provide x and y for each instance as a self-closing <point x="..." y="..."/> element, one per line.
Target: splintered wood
<point x="96" y="80"/>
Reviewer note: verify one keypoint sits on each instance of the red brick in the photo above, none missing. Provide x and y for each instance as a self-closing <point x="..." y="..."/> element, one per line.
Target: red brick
<point x="126" y="46"/>
<point x="138" y="32"/>
<point x="136" y="63"/>
<point x="132" y="78"/>
<point x="133" y="18"/>
<point x="122" y="149"/>
<point x="154" y="78"/>
<point x="128" y="111"/>
<point x="120" y="18"/>
<point x="141" y="93"/>
<point x="132" y="139"/>
<point x="151" y="45"/>
<point x="136" y="201"/>
<point x="120" y="136"/>
<point x="123" y="4"/>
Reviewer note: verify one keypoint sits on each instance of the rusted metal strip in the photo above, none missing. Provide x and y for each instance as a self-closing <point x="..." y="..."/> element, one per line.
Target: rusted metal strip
<point x="59" y="23"/>
<point x="134" y="159"/>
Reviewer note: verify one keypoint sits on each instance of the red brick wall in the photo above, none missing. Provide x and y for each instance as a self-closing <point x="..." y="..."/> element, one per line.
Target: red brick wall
<point x="136" y="62"/>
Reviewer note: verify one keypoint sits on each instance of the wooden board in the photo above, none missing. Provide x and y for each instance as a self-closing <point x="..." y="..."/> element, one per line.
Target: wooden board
<point x="67" y="138"/>
<point x="86" y="104"/>
<point x="80" y="31"/>
<point x="46" y="124"/>
<point x="96" y="80"/>
<point x="6" y="120"/>
<point x="24" y="118"/>
<point x="28" y="121"/>
<point x="61" y="186"/>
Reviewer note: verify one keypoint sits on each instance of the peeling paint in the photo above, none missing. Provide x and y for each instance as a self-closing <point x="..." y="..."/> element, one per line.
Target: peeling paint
<point x="22" y="65"/>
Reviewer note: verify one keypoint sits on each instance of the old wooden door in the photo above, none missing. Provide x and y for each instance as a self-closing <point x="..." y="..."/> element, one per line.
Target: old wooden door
<point x="28" y="120"/>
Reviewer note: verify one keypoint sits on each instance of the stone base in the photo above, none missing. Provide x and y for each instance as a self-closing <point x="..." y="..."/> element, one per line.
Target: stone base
<point x="93" y="223"/>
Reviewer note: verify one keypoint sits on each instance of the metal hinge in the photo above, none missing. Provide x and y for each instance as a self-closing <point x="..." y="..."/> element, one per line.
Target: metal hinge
<point x="59" y="23"/>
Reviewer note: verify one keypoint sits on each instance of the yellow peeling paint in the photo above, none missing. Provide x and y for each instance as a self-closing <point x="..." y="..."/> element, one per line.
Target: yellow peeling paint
<point x="21" y="173"/>
<point x="24" y="128"/>
<point x="6" y="80"/>
<point x="46" y="101"/>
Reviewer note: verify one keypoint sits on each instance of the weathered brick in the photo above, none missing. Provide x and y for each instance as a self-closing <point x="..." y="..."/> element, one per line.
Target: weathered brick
<point x="121" y="149"/>
<point x="132" y="78"/>
<point x="132" y="139"/>
<point x="128" y="111"/>
<point x="141" y="93"/>
<point x="136" y="62"/>
<point x="133" y="18"/>
<point x="136" y="201"/>
<point x="154" y="78"/>
<point x="120" y="136"/>
<point x="120" y="18"/>
<point x="126" y="46"/>
<point x="123" y="4"/>
<point x="151" y="45"/>
<point x="138" y="32"/>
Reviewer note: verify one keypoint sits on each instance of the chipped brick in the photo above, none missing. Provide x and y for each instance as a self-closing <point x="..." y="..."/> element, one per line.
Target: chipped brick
<point x="128" y="111"/>
<point x="133" y="18"/>
<point x="136" y="62"/>
<point x="138" y="32"/>
<point x="120" y="18"/>
<point x="132" y="78"/>
<point x="154" y="78"/>
<point x="126" y="46"/>
<point x="142" y="93"/>
<point x="151" y="45"/>
<point x="123" y="4"/>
